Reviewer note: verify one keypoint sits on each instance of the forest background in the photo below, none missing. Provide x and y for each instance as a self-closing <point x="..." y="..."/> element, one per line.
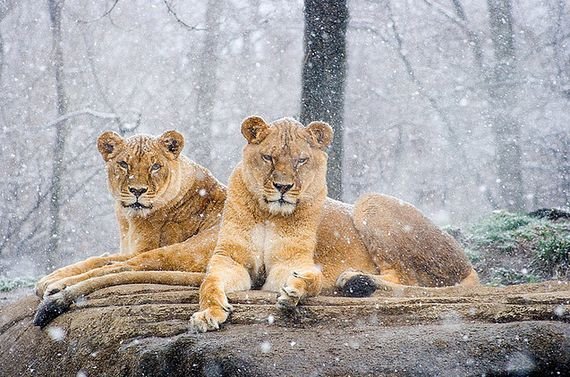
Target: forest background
<point x="459" y="107"/>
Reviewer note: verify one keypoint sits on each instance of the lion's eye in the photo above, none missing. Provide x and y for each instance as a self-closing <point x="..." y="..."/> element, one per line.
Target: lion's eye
<point x="267" y="157"/>
<point x="123" y="164"/>
<point x="155" y="167"/>
<point x="302" y="161"/>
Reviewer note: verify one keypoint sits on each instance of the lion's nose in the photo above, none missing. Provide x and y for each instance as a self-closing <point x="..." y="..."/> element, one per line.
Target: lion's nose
<point x="137" y="191"/>
<point x="282" y="188"/>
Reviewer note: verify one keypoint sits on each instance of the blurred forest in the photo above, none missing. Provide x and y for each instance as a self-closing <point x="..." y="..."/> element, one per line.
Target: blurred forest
<point x="459" y="107"/>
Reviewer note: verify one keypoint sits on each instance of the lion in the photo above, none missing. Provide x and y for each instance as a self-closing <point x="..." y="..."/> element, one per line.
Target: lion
<point x="378" y="243"/>
<point x="168" y="209"/>
<point x="280" y="232"/>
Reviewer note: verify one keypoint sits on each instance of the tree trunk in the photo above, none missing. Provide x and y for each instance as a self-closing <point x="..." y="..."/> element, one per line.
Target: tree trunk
<point x="324" y="71"/>
<point x="474" y="40"/>
<point x="55" y="8"/>
<point x="504" y="93"/>
<point x="200" y="132"/>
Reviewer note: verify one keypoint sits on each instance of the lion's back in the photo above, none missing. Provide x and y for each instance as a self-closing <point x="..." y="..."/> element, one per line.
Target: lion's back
<point x="398" y="233"/>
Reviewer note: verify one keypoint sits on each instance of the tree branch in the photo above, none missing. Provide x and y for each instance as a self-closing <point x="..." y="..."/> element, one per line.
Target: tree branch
<point x="107" y="12"/>
<point x="16" y="228"/>
<point x="173" y="13"/>
<point x="461" y="22"/>
<point x="77" y="113"/>
<point x="454" y="140"/>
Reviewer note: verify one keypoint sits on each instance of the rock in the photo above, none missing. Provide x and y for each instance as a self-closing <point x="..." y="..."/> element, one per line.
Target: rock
<point x="552" y="214"/>
<point x="142" y="330"/>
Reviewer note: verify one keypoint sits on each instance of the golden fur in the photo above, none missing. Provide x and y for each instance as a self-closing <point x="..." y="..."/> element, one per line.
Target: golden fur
<point x="280" y="232"/>
<point x="378" y="243"/>
<point x="269" y="227"/>
<point x="168" y="209"/>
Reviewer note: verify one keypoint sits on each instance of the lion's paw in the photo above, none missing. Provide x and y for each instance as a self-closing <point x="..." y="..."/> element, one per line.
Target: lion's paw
<point x="210" y="319"/>
<point x="289" y="298"/>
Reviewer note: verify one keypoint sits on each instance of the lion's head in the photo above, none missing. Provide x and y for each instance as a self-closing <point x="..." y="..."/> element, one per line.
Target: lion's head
<point x="285" y="163"/>
<point x="142" y="171"/>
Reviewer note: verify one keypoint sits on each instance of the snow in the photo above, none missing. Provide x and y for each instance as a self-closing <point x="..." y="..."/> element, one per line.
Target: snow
<point x="418" y="113"/>
<point x="55" y="333"/>
<point x="560" y="310"/>
<point x="265" y="347"/>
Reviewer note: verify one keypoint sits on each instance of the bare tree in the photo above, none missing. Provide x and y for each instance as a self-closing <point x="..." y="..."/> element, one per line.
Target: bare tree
<point x="503" y="94"/>
<point x="207" y="85"/>
<point x="55" y="12"/>
<point x="324" y="71"/>
<point x="561" y="51"/>
<point x="6" y="7"/>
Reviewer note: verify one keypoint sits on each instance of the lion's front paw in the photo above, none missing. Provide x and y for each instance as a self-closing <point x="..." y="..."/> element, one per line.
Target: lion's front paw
<point x="210" y="318"/>
<point x="292" y="292"/>
<point x="289" y="298"/>
<point x="299" y="286"/>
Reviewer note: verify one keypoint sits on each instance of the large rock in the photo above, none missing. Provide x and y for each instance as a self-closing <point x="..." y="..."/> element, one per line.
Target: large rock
<point x="142" y="330"/>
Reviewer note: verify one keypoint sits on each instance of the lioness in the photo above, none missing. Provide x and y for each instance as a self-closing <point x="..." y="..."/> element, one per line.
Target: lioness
<point x="168" y="209"/>
<point x="276" y="213"/>
<point x="380" y="242"/>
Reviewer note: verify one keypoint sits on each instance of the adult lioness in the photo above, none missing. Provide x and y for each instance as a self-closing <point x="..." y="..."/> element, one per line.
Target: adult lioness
<point x="379" y="242"/>
<point x="277" y="212"/>
<point x="168" y="209"/>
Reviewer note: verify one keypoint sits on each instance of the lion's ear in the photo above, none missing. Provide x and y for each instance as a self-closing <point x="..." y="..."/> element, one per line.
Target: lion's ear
<point x="254" y="129"/>
<point x="108" y="144"/>
<point x="172" y="142"/>
<point x="321" y="133"/>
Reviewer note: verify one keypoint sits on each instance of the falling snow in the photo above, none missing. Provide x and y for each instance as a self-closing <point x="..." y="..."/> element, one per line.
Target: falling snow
<point x="56" y="334"/>
<point x="433" y="114"/>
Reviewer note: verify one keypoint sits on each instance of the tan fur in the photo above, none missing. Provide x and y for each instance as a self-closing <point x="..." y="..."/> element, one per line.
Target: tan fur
<point x="269" y="228"/>
<point x="390" y="242"/>
<point x="265" y="244"/>
<point x="182" y="200"/>
<point x="382" y="238"/>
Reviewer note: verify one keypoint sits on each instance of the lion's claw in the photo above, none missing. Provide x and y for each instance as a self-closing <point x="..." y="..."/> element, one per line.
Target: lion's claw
<point x="210" y="318"/>
<point x="289" y="298"/>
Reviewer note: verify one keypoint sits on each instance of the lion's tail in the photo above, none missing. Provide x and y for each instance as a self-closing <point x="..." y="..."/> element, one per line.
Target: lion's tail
<point x="60" y="302"/>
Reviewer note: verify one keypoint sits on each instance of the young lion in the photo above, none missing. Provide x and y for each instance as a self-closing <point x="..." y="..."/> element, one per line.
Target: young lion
<point x="277" y="212"/>
<point x="168" y="209"/>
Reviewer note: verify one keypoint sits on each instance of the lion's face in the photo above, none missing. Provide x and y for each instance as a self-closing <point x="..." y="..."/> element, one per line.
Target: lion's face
<point x="284" y="163"/>
<point x="141" y="170"/>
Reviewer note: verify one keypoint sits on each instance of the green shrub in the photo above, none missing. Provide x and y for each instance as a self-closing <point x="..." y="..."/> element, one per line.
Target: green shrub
<point x="541" y="244"/>
<point x="498" y="230"/>
<point x="7" y="285"/>
<point x="553" y="251"/>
